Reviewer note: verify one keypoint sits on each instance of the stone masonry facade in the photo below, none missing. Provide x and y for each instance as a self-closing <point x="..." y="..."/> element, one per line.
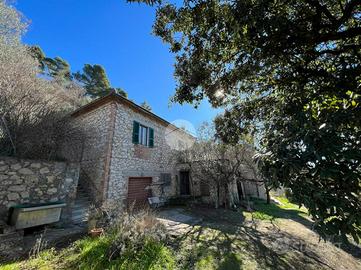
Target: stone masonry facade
<point x="135" y="160"/>
<point x="34" y="182"/>
<point x="109" y="156"/>
<point x="92" y="151"/>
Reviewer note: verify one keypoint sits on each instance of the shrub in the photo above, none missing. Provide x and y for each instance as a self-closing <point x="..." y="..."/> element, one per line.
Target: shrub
<point x="33" y="109"/>
<point x="289" y="195"/>
<point x="132" y="230"/>
<point x="134" y="240"/>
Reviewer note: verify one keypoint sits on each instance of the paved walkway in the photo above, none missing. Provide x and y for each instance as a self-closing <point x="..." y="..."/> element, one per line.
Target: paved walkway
<point x="177" y="220"/>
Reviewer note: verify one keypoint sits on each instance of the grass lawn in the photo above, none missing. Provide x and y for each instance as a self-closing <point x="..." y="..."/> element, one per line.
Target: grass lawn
<point x="272" y="237"/>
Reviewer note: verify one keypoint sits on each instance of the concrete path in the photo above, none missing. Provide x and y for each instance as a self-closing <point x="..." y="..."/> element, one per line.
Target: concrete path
<point x="177" y="220"/>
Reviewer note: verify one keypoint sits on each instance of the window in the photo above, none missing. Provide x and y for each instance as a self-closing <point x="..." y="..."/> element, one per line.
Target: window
<point x="143" y="135"/>
<point x="204" y="189"/>
<point x="166" y="178"/>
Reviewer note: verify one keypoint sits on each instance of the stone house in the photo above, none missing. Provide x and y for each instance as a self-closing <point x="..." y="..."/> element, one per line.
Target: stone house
<point x="128" y="152"/>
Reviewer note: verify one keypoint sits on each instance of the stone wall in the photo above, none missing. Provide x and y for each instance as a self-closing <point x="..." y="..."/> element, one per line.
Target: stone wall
<point x="92" y="153"/>
<point x="132" y="160"/>
<point x="34" y="182"/>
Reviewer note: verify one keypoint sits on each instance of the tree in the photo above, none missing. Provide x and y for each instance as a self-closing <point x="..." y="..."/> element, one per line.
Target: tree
<point x="37" y="53"/>
<point x="95" y="81"/>
<point x="290" y="72"/>
<point x="121" y="91"/>
<point x="12" y="23"/>
<point x="57" y="68"/>
<point x="34" y="112"/>
<point x="146" y="106"/>
<point x="52" y="67"/>
<point x="219" y="166"/>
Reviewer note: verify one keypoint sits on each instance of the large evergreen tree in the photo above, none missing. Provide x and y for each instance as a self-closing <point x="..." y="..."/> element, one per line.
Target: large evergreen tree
<point x="146" y="105"/>
<point x="286" y="70"/>
<point x="94" y="79"/>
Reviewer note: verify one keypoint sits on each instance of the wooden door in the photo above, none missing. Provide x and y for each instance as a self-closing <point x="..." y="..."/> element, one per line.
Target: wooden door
<point x="184" y="183"/>
<point x="139" y="191"/>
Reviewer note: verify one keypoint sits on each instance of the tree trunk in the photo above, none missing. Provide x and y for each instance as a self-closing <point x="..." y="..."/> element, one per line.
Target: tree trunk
<point x="268" y="196"/>
<point x="217" y="196"/>
<point x="226" y="195"/>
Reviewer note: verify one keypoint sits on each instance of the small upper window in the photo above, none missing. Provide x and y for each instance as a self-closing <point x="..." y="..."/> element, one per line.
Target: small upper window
<point x="143" y="135"/>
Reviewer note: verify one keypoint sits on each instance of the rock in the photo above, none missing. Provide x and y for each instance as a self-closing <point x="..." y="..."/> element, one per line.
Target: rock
<point x="16" y="180"/>
<point x="53" y="199"/>
<point x="13" y="196"/>
<point x="31" y="178"/>
<point x="25" y="194"/>
<point x="3" y="177"/>
<point x="3" y="168"/>
<point x="51" y="178"/>
<point x="52" y="190"/>
<point x="26" y="171"/>
<point x="44" y="170"/>
<point x="35" y="165"/>
<point x="17" y="188"/>
<point x="16" y="166"/>
<point x="68" y="180"/>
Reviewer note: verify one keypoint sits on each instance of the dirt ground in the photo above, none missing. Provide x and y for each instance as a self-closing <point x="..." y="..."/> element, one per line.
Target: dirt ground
<point x="225" y="239"/>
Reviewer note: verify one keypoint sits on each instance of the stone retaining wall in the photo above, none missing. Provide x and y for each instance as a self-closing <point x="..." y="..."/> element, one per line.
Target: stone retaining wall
<point x="33" y="182"/>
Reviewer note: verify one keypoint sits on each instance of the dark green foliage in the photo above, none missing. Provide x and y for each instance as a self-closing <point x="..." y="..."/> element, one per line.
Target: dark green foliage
<point x="53" y="67"/>
<point x="121" y="92"/>
<point x="148" y="2"/>
<point x="288" y="71"/>
<point x="57" y="68"/>
<point x="146" y="106"/>
<point x="38" y="54"/>
<point x="94" y="79"/>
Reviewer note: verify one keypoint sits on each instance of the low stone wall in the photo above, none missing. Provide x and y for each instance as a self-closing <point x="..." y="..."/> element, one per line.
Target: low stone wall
<point x="33" y="182"/>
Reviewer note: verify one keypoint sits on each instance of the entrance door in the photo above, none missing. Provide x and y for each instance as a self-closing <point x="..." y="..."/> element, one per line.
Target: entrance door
<point x="184" y="183"/>
<point x="139" y="191"/>
<point x="240" y="191"/>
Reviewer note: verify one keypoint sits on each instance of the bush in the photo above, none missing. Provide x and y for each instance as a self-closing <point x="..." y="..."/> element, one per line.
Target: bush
<point x="133" y="241"/>
<point x="132" y="230"/>
<point x="289" y="195"/>
<point x="33" y="110"/>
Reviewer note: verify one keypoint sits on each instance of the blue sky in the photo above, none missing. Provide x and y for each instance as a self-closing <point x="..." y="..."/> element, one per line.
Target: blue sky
<point x="118" y="36"/>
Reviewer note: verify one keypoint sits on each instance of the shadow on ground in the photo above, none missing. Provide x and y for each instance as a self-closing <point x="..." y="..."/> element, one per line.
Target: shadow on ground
<point x="224" y="239"/>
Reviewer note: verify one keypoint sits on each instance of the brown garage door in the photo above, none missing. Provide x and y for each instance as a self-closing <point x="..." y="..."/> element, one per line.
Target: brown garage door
<point x="138" y="193"/>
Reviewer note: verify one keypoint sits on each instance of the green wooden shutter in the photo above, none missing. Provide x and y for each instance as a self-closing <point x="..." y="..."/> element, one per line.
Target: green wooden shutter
<point x="151" y="137"/>
<point x="135" y="132"/>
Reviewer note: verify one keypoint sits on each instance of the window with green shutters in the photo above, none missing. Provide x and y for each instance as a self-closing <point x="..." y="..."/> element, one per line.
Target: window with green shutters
<point x="136" y="132"/>
<point x="151" y="137"/>
<point x="143" y="135"/>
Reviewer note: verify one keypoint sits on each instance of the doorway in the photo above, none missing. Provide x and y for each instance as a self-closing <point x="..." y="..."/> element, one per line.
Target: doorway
<point x="184" y="183"/>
